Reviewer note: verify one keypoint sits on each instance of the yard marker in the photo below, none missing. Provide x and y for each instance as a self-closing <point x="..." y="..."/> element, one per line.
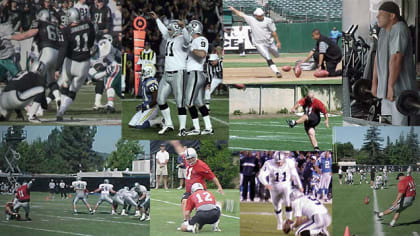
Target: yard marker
<point x="378" y="225"/>
<point x="347" y="231"/>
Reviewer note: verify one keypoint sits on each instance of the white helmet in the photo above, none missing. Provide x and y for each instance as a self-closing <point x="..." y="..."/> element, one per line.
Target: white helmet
<point x="126" y="188"/>
<point x="73" y="16"/>
<point x="279" y="156"/>
<point x="106" y="181"/>
<point x="195" y="27"/>
<point x="295" y="194"/>
<point x="108" y="37"/>
<point x="78" y="178"/>
<point x="148" y="71"/>
<point x="105" y="47"/>
<point x="190" y="153"/>
<point x="44" y="15"/>
<point x="196" y="186"/>
<point x="136" y="184"/>
<point x="174" y="28"/>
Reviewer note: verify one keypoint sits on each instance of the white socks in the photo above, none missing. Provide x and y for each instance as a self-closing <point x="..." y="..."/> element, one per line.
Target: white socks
<point x="167" y="116"/>
<point x="110" y="93"/>
<point x="182" y="121"/>
<point x="196" y="124"/>
<point x="65" y="103"/>
<point x="274" y="68"/>
<point x="207" y="122"/>
<point x="98" y="98"/>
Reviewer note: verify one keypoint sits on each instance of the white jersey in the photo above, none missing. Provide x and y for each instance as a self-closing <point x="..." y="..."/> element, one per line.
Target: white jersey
<point x="308" y="206"/>
<point x="261" y="31"/>
<point x="51" y="185"/>
<point x="340" y="172"/>
<point x="144" y="190"/>
<point x="105" y="188"/>
<point x="282" y="175"/>
<point x="349" y="172"/>
<point x="62" y="185"/>
<point x="79" y="186"/>
<point x="175" y="52"/>
<point x="195" y="63"/>
<point x="83" y="10"/>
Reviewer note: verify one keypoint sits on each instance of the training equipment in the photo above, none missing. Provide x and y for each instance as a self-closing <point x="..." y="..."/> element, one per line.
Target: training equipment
<point x="408" y="103"/>
<point x="347" y="231"/>
<point x="239" y="86"/>
<point x="286" y="226"/>
<point x="367" y="200"/>
<point x="321" y="73"/>
<point x="286" y="68"/>
<point x="362" y="90"/>
<point x="297" y="70"/>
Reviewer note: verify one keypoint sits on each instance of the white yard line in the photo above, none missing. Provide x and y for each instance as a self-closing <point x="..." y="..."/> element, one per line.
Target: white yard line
<point x="45" y="230"/>
<point x="87" y="219"/>
<point x="211" y="117"/>
<point x="378" y="225"/>
<point x="178" y="204"/>
<point x="415" y="234"/>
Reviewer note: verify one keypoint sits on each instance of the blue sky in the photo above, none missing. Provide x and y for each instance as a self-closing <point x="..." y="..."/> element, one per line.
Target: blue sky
<point x="355" y="135"/>
<point x="105" y="138"/>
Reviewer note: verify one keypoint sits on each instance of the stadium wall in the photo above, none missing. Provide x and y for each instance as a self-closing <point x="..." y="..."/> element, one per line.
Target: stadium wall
<point x="297" y="37"/>
<point x="266" y="98"/>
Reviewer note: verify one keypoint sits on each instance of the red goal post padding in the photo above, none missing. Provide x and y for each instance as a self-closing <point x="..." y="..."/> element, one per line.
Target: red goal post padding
<point x="139" y="25"/>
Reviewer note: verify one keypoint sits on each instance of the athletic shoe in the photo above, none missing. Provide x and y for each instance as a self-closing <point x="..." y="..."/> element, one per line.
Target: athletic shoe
<point x="98" y="107"/>
<point x="291" y="123"/>
<point x="28" y="219"/>
<point x="182" y="133"/>
<point x="143" y="217"/>
<point x="124" y="214"/>
<point x="279" y="75"/>
<point x="196" y="228"/>
<point x="34" y="119"/>
<point x="207" y="131"/>
<point x="216" y="229"/>
<point x="110" y="109"/>
<point x="147" y="218"/>
<point x="165" y="129"/>
<point x="193" y="132"/>
<point x="377" y="214"/>
<point x="179" y="188"/>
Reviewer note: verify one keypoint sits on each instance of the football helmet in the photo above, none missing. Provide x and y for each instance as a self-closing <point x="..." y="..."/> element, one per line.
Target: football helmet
<point x="136" y="184"/>
<point x="106" y="181"/>
<point x="148" y="71"/>
<point x="190" y="153"/>
<point x="174" y="28"/>
<point x="78" y="178"/>
<point x="73" y="16"/>
<point x="44" y="15"/>
<point x="279" y="157"/>
<point x="126" y="188"/>
<point x="196" y="186"/>
<point x="195" y="27"/>
<point x="105" y="47"/>
<point x="295" y="194"/>
<point x="108" y="37"/>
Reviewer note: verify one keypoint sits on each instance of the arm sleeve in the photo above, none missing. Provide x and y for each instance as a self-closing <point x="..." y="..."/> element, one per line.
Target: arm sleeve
<point x="264" y="173"/>
<point x="398" y="41"/>
<point x="162" y="28"/>
<point x="301" y="101"/>
<point x="207" y="173"/>
<point x="91" y="35"/>
<point x="321" y="107"/>
<point x="323" y="47"/>
<point x="249" y="19"/>
<point x="190" y="204"/>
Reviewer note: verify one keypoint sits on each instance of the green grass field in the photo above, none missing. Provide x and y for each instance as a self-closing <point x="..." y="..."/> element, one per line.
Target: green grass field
<point x="219" y="109"/>
<point x="54" y="217"/>
<point x="166" y="213"/>
<point x="275" y="134"/>
<point x="350" y="210"/>
<point x="258" y="56"/>
<point x="259" y="219"/>
<point x="79" y="113"/>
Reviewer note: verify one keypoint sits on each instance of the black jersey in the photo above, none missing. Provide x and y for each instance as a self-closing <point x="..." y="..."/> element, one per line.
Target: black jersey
<point x="102" y="17"/>
<point x="61" y="15"/>
<point x="48" y="34"/>
<point x="77" y="42"/>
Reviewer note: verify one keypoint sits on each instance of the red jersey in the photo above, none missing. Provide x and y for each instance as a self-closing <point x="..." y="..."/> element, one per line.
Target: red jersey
<point x="316" y="106"/>
<point x="199" y="198"/>
<point x="197" y="174"/>
<point x="407" y="187"/>
<point x="22" y="193"/>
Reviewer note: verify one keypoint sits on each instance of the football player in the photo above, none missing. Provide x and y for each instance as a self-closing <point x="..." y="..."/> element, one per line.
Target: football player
<point x="126" y="197"/>
<point x="83" y="10"/>
<point x="405" y="198"/>
<point x="326" y="173"/>
<point x="79" y="187"/>
<point x="173" y="77"/>
<point x="208" y="211"/>
<point x="73" y="59"/>
<point x="147" y="114"/>
<point x="8" y="60"/>
<point x="340" y="176"/>
<point x="214" y="76"/>
<point x="311" y="217"/>
<point x="196" y="82"/>
<point x="144" y="201"/>
<point x="106" y="189"/>
<point x="22" y="198"/>
<point x="102" y="17"/>
<point x="385" y="178"/>
<point x="19" y="92"/>
<point x="280" y="173"/>
<point x="46" y="35"/>
<point x="10" y="214"/>
<point x="349" y="176"/>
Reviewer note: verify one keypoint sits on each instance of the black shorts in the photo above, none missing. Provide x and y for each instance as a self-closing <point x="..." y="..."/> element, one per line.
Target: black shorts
<point x="52" y="190"/>
<point x="340" y="176"/>
<point x="312" y="122"/>
<point x="372" y="177"/>
<point x="205" y="217"/>
<point x="185" y="196"/>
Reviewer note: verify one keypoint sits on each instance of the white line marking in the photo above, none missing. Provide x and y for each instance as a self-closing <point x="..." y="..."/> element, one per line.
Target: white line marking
<point x="415" y="234"/>
<point x="267" y="125"/>
<point x="378" y="225"/>
<point x="211" y="117"/>
<point x="87" y="219"/>
<point x="177" y="204"/>
<point x="45" y="230"/>
<point x="139" y="100"/>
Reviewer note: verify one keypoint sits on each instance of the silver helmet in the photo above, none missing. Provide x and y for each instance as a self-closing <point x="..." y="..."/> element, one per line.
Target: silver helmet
<point x="106" y="181"/>
<point x="174" y="28"/>
<point x="73" y="16"/>
<point x="195" y="27"/>
<point x="196" y="186"/>
<point x="44" y="15"/>
<point x="295" y="194"/>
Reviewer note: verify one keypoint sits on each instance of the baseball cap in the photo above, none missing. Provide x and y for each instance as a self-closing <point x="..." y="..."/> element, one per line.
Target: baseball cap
<point x="213" y="57"/>
<point x="399" y="175"/>
<point x="258" y="12"/>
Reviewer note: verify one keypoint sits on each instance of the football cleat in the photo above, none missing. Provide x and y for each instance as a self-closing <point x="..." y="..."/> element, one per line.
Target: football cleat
<point x="207" y="131"/>
<point x="110" y="109"/>
<point x="28" y="219"/>
<point x="182" y="133"/>
<point x="137" y="214"/>
<point x="124" y="214"/>
<point x="147" y="218"/>
<point x="34" y="119"/>
<point x="377" y="214"/>
<point x="165" y="129"/>
<point x="216" y="229"/>
<point x="193" y="132"/>
<point x="196" y="228"/>
<point x="143" y="217"/>
<point x="279" y="75"/>
<point x="98" y="107"/>
<point x="291" y="123"/>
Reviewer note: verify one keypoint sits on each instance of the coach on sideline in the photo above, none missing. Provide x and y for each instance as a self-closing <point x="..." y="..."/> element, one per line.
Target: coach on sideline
<point x="394" y="70"/>
<point x="327" y="51"/>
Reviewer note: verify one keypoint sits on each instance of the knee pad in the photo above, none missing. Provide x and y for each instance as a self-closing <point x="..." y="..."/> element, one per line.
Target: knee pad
<point x="163" y="107"/>
<point x="305" y="233"/>
<point x="182" y="111"/>
<point x="99" y="87"/>
<point x="21" y="91"/>
<point x="270" y="62"/>
<point x="288" y="208"/>
<point x="72" y="95"/>
<point x="193" y="112"/>
<point x="204" y="111"/>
